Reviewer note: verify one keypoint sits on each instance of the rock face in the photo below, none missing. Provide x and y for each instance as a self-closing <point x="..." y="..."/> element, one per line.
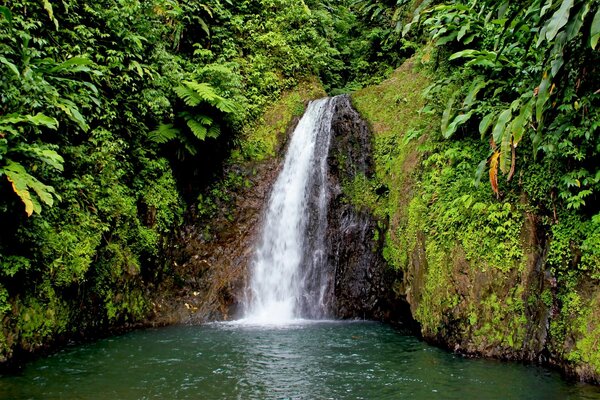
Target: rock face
<point x="211" y="256"/>
<point x="214" y="266"/>
<point x="363" y="282"/>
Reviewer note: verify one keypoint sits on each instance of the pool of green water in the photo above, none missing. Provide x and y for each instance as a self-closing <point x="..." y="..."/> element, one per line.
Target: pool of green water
<point x="311" y="360"/>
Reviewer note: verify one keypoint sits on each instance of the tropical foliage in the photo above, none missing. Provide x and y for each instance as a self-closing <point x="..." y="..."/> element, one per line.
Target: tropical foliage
<point x="114" y="117"/>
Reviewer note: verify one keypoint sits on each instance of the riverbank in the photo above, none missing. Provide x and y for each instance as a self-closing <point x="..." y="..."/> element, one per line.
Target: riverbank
<point x="476" y="269"/>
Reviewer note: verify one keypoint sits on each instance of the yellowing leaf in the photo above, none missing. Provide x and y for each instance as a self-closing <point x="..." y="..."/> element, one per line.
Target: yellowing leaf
<point x="494" y="172"/>
<point x="22" y="183"/>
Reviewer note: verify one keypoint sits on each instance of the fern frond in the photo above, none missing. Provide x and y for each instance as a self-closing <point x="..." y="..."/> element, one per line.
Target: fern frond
<point x="188" y="95"/>
<point x="203" y="90"/>
<point x="213" y="132"/>
<point x="197" y="129"/>
<point x="204" y="119"/>
<point x="226" y="106"/>
<point x="164" y="133"/>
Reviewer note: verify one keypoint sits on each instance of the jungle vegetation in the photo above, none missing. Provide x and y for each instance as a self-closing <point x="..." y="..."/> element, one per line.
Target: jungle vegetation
<point x="116" y="118"/>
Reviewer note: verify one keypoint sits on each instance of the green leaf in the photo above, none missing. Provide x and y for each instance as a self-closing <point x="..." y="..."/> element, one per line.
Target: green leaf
<point x="542" y="97"/>
<point x="5" y="11"/>
<point x="164" y="133"/>
<point x="50" y="157"/>
<point x="189" y="96"/>
<point x="458" y="121"/>
<point x="71" y="63"/>
<point x="197" y="129"/>
<point x="10" y="66"/>
<point x="575" y="24"/>
<point x="447" y="113"/>
<point x="38" y="119"/>
<point x="213" y="132"/>
<point x="485" y="123"/>
<point x="505" y="150"/>
<point x="545" y="8"/>
<point x="595" y="30"/>
<point x="559" y="19"/>
<point x="500" y="126"/>
<point x="475" y="88"/>
<point x="44" y="120"/>
<point x="48" y="7"/>
<point x="73" y="113"/>
<point x="470" y="53"/>
<point x="22" y="184"/>
<point x="479" y="172"/>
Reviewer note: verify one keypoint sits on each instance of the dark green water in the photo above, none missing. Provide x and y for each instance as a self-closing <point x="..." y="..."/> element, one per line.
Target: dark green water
<point x="328" y="360"/>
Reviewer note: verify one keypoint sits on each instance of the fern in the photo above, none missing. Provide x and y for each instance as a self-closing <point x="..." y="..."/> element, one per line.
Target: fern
<point x="164" y="133"/>
<point x="197" y="128"/>
<point x="189" y="96"/>
<point x="213" y="132"/>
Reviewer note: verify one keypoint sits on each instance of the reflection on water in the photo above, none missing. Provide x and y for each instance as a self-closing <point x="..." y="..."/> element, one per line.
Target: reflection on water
<point x="326" y="360"/>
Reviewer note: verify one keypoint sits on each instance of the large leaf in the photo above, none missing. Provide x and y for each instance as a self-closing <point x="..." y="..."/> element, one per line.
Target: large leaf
<point x="12" y="67"/>
<point x="595" y="30"/>
<point x="44" y="154"/>
<point x="474" y="90"/>
<point x="575" y="24"/>
<point x="48" y="7"/>
<point x="458" y="121"/>
<point x="23" y="183"/>
<point x="558" y="19"/>
<point x="73" y="64"/>
<point x="5" y="11"/>
<point x="542" y="97"/>
<point x="485" y="123"/>
<point x="189" y="96"/>
<point x="447" y="113"/>
<point x="38" y="119"/>
<point x="73" y="113"/>
<point x="494" y="172"/>
<point x="505" y="149"/>
<point x="500" y="127"/>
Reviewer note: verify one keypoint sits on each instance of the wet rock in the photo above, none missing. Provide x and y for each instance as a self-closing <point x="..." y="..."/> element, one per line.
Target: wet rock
<point x="363" y="283"/>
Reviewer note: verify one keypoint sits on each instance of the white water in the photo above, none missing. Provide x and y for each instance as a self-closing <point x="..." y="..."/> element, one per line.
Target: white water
<point x="283" y="273"/>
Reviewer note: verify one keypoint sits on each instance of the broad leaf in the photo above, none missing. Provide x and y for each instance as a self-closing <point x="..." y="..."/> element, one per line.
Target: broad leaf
<point x="559" y="19"/>
<point x="458" y="121"/>
<point x="485" y="123"/>
<point x="22" y="184"/>
<point x="73" y="113"/>
<point x="494" y="172"/>
<point x="447" y="113"/>
<point x="73" y="64"/>
<point x="10" y="66"/>
<point x="595" y="30"/>
<point x="500" y="126"/>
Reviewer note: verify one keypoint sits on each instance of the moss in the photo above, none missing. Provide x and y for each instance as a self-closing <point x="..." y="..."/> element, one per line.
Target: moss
<point x="262" y="138"/>
<point x="392" y="110"/>
<point x="460" y="248"/>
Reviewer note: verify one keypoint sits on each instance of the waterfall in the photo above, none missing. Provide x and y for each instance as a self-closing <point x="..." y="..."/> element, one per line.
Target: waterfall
<point x="289" y="277"/>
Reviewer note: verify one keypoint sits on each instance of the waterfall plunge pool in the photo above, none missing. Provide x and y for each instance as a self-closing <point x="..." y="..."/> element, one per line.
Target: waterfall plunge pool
<point x="304" y="360"/>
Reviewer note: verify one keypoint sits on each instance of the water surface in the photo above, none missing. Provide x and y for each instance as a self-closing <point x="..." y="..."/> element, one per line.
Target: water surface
<point x="325" y="360"/>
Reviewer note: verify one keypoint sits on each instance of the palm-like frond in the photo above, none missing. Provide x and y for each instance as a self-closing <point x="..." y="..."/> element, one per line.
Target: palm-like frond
<point x="164" y="133"/>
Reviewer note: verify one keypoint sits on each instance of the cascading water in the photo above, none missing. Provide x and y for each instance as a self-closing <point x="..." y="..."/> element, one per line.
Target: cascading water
<point x="289" y="279"/>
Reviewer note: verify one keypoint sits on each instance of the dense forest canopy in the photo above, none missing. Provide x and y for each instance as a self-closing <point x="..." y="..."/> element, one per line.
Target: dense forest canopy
<point x="116" y="116"/>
